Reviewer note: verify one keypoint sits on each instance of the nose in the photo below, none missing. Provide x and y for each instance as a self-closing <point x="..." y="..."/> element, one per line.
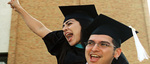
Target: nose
<point x="95" y="48"/>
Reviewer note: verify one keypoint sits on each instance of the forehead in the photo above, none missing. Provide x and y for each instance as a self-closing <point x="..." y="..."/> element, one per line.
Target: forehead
<point x="98" y="38"/>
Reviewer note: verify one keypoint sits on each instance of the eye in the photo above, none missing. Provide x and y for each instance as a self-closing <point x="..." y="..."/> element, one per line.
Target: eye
<point x="90" y="43"/>
<point x="69" y="24"/>
<point x="105" y="44"/>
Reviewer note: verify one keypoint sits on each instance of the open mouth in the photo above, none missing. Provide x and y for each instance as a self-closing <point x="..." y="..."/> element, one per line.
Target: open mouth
<point x="94" y="57"/>
<point x="69" y="36"/>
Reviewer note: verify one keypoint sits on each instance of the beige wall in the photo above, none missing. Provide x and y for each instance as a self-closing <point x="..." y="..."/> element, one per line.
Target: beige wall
<point x="27" y="48"/>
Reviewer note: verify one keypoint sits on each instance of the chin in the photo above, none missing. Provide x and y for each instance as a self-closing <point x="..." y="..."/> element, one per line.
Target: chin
<point x="71" y="43"/>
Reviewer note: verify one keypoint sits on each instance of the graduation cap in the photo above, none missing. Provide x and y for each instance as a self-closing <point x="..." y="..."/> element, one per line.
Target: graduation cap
<point x="79" y="11"/>
<point x="119" y="32"/>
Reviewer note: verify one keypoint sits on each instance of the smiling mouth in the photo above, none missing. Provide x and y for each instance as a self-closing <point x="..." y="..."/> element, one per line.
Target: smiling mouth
<point x="94" y="57"/>
<point x="69" y="36"/>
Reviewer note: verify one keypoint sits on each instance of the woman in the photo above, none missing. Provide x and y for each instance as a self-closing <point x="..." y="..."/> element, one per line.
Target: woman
<point x="73" y="28"/>
<point x="104" y="43"/>
<point x="64" y="44"/>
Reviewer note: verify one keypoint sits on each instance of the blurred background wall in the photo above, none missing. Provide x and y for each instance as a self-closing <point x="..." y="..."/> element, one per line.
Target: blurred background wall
<point x="27" y="48"/>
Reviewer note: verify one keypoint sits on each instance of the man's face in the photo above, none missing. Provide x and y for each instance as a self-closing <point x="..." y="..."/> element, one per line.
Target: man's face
<point x="99" y="50"/>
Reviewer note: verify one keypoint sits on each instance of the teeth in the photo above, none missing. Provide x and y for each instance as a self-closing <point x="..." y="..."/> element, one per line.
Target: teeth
<point x="96" y="56"/>
<point x="67" y="34"/>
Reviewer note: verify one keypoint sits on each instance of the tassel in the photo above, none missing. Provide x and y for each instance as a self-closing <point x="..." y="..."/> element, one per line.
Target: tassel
<point x="140" y="50"/>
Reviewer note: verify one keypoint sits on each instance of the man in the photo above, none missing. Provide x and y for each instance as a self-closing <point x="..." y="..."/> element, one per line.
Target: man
<point x="105" y="41"/>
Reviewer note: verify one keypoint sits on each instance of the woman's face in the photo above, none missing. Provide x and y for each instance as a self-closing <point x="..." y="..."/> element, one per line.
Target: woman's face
<point x="100" y="50"/>
<point x="72" y="31"/>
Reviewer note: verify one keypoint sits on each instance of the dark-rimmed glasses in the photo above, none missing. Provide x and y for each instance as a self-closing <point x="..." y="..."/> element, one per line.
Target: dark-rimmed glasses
<point x="102" y="44"/>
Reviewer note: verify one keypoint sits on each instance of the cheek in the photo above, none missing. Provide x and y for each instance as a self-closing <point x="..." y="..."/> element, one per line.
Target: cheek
<point x="86" y="53"/>
<point x="108" y="53"/>
<point x="75" y="29"/>
<point x="87" y="50"/>
<point x="77" y="32"/>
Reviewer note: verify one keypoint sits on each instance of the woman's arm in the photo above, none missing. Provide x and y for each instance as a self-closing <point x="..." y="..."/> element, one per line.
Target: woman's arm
<point x="35" y="25"/>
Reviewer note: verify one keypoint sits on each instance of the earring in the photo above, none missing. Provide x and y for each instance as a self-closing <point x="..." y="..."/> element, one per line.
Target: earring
<point x="116" y="58"/>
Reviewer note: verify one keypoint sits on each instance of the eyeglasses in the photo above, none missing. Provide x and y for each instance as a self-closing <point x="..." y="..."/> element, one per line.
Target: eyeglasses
<point x="102" y="44"/>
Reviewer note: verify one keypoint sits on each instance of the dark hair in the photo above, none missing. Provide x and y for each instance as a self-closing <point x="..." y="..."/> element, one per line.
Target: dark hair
<point x="116" y="45"/>
<point x="84" y="25"/>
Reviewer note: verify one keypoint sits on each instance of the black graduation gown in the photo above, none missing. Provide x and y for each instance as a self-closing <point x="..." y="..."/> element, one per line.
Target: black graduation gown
<point x="121" y="60"/>
<point x="58" y="46"/>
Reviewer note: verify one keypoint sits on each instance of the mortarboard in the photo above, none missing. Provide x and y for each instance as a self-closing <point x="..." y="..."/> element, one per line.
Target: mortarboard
<point x="79" y="11"/>
<point x="119" y="32"/>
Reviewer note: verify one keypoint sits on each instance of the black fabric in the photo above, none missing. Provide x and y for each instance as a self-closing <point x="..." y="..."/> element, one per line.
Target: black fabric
<point x="121" y="60"/>
<point x="79" y="11"/>
<point x="81" y="15"/>
<point x="123" y="30"/>
<point x="58" y="46"/>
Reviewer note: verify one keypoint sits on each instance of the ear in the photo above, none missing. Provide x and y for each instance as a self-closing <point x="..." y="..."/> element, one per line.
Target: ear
<point x="117" y="52"/>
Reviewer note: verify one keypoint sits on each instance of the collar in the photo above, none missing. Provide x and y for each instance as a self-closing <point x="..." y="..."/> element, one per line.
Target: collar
<point x="79" y="46"/>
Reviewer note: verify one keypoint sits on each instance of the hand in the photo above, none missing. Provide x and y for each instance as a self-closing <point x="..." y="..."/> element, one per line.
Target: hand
<point x="15" y="4"/>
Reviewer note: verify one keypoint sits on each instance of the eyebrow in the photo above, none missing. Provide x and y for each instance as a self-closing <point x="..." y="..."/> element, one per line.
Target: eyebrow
<point x="100" y="41"/>
<point x="67" y="22"/>
<point x="91" y="40"/>
<point x="104" y="42"/>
